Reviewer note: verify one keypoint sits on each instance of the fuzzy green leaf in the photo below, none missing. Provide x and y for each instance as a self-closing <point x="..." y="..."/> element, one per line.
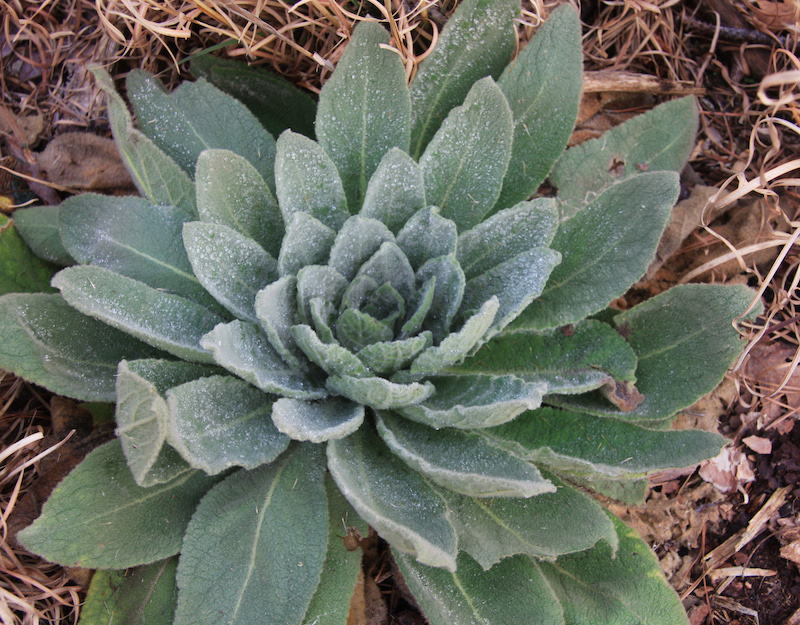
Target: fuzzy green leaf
<point x="466" y="160"/>
<point x="477" y="41"/>
<point x="318" y="281"/>
<point x="492" y="530"/>
<point x="686" y="329"/>
<point x="397" y="502"/>
<point x="395" y="192"/>
<point x="364" y="109"/>
<point x="275" y="308"/>
<point x="575" y="360"/>
<point x="268" y="574"/>
<point x="275" y="102"/>
<point x="386" y="357"/>
<point x="158" y="178"/>
<point x="427" y="235"/>
<point x="98" y="517"/>
<point x="475" y="401"/>
<point x="229" y="265"/>
<point x="244" y="350"/>
<point x="511" y="592"/>
<point x="20" y="269"/>
<point x="232" y="193"/>
<point x="332" y="357"/>
<point x="355" y="330"/>
<point x="356" y="242"/>
<point x="143" y="417"/>
<point x="390" y="265"/>
<point x="543" y="88"/>
<point x="379" y="393"/>
<point x="506" y="234"/>
<point x="39" y="345"/>
<point x="306" y="180"/>
<point x="623" y="585"/>
<point x="38" y="226"/>
<point x="307" y="242"/>
<point x="421" y="306"/>
<point x="195" y="117"/>
<point x="220" y="422"/>
<point x="317" y="421"/>
<point x="659" y="140"/>
<point x="605" y="248"/>
<point x="145" y="595"/>
<point x="162" y="320"/>
<point x="461" y="461"/>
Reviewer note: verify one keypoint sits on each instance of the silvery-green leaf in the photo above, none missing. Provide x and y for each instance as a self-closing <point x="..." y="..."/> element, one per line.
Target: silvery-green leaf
<point x="355" y="330"/>
<point x="318" y="281"/>
<point x="605" y="249"/>
<point x="475" y="401"/>
<point x="516" y="283"/>
<point x="306" y="180"/>
<point x="332" y="357"/>
<point x="658" y="140"/>
<point x="276" y="102"/>
<point x="551" y="524"/>
<point x="278" y="514"/>
<point x="686" y="329"/>
<point x="142" y="416"/>
<point x="358" y="292"/>
<point x="220" y="422"/>
<point x="21" y="271"/>
<point x="477" y="41"/>
<point x="581" y="443"/>
<point x="577" y="359"/>
<point x="307" y="242"/>
<point x="543" y="88"/>
<point x="628" y="490"/>
<point x="507" y="234"/>
<point x="364" y="109"/>
<point x="231" y="266"/>
<point x="231" y="192"/>
<point x="514" y="591"/>
<point x="157" y="177"/>
<point x="460" y="461"/>
<point x="322" y="313"/>
<point x="395" y="192"/>
<point x="379" y="393"/>
<point x="195" y="117"/>
<point x="275" y="308"/>
<point x="356" y="242"/>
<point x="387" y="357"/>
<point x="466" y="160"/>
<point x="163" y="320"/>
<point x="457" y="345"/>
<point x="389" y="264"/>
<point x="39" y="345"/>
<point x="397" y="502"/>
<point x="317" y="421"/>
<point x="386" y="305"/>
<point x="423" y="303"/>
<point x="448" y="281"/>
<point x="427" y="235"/>
<point x="243" y="349"/>
<point x="38" y="226"/>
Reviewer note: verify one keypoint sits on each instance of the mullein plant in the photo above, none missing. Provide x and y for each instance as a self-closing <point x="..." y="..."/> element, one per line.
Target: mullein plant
<point x="368" y="322"/>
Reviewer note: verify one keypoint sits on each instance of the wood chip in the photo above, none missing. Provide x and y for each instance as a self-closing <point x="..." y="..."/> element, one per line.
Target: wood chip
<point x="740" y="571"/>
<point x="762" y="517"/>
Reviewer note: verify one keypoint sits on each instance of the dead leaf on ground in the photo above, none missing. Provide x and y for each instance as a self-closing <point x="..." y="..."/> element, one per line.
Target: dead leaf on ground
<point x="729" y="471"/>
<point x="24" y="129"/>
<point x="84" y="161"/>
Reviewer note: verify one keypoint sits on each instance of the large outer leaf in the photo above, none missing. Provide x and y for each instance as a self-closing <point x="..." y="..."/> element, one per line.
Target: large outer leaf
<point x="580" y="443"/>
<point x="543" y="87"/>
<point x="477" y="41"/>
<point x="589" y="355"/>
<point x="39" y="345"/>
<point x="396" y="190"/>
<point x="195" y="117"/>
<point x="20" y="269"/>
<point x="232" y="193"/>
<point x="461" y="461"/>
<point x="98" y="517"/>
<point x="466" y="160"/>
<point x="38" y="225"/>
<point x="145" y="595"/>
<point x="397" y="502"/>
<point x="605" y="248"/>
<point x="364" y="109"/>
<point x="623" y="586"/>
<point x="511" y="592"/>
<point x="158" y="178"/>
<point x="166" y="321"/>
<point x="687" y="330"/>
<point x="254" y="549"/>
<point x="660" y="139"/>
<point x="276" y="103"/>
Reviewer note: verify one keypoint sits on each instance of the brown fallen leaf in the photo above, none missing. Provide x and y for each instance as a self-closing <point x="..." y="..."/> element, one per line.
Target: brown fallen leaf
<point x="791" y="552"/>
<point x="84" y="161"/>
<point x="25" y="129"/>
<point x="728" y="471"/>
<point x="758" y="444"/>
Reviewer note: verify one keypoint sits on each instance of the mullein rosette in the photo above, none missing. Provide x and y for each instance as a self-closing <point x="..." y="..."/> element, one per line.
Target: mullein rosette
<point x="367" y="322"/>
